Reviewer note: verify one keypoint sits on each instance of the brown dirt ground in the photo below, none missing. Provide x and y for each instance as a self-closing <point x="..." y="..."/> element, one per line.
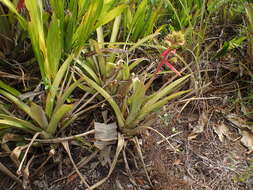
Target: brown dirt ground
<point x="203" y="163"/>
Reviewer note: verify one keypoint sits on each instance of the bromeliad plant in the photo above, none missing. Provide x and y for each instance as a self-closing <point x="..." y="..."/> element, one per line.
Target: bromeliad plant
<point x="70" y="24"/>
<point x="57" y="36"/>
<point x="63" y="29"/>
<point x="135" y="104"/>
<point x="125" y="91"/>
<point x="43" y="121"/>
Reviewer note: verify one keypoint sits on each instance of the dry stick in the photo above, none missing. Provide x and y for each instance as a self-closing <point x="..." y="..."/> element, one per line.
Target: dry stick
<point x="26" y="173"/>
<point x="184" y="106"/>
<point x="86" y="159"/>
<point x="202" y="98"/>
<point x="66" y="147"/>
<point x="194" y="98"/>
<point x="80" y="101"/>
<point x="90" y="108"/>
<point x="10" y="174"/>
<point x="159" y="142"/>
<point x="42" y="165"/>
<point x="142" y="160"/>
<point x="86" y="103"/>
<point x="131" y="178"/>
<point x="134" y="159"/>
<point x="105" y="51"/>
<point x="63" y="82"/>
<point x="60" y="140"/>
<point x="80" y="164"/>
<point x="162" y="137"/>
<point x="26" y="152"/>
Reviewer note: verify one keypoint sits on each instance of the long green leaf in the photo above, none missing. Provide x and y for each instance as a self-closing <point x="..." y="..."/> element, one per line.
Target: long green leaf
<point x="58" y="8"/>
<point x="139" y="17"/>
<point x="28" y="126"/>
<point x="36" y="31"/>
<point x="143" y="40"/>
<point x="144" y="112"/>
<point x="89" y="71"/>
<point x="28" y="110"/>
<point x="57" y="116"/>
<point x="175" y="11"/>
<point x="162" y="102"/>
<point x="71" y="24"/>
<point x="11" y="124"/>
<point x="39" y="115"/>
<point x="9" y="89"/>
<point x="107" y="97"/>
<point x="18" y="102"/>
<point x="164" y="92"/>
<point x="111" y="15"/>
<point x="136" y="100"/>
<point x="88" y="22"/>
<point x="55" y="86"/>
<point x="54" y="44"/>
<point x="67" y="93"/>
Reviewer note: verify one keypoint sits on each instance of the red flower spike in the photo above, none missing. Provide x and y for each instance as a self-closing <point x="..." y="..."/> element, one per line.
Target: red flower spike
<point x="172" y="68"/>
<point x="20" y="5"/>
<point x="166" y="52"/>
<point x="164" y="61"/>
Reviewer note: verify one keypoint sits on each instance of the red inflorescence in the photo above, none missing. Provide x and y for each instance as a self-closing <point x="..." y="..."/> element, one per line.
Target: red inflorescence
<point x="20" y="5"/>
<point x="164" y="61"/>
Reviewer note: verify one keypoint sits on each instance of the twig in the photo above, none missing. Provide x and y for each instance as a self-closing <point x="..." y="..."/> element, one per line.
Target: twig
<point x="66" y="147"/>
<point x="79" y="165"/>
<point x="60" y="140"/>
<point x="165" y="139"/>
<point x="129" y="173"/>
<point x="142" y="160"/>
<point x="201" y="98"/>
<point x="26" y="152"/>
<point x="159" y="142"/>
<point x="10" y="174"/>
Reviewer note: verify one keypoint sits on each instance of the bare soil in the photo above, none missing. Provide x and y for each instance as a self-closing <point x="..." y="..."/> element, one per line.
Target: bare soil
<point x="200" y="163"/>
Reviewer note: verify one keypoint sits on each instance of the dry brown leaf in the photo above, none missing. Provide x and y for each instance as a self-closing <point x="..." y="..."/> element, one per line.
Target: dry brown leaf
<point x="120" y="145"/>
<point x="7" y="138"/>
<point x="239" y="122"/>
<point x="222" y="131"/>
<point x="104" y="156"/>
<point x="247" y="139"/>
<point x="10" y="137"/>
<point x="139" y="181"/>
<point x="177" y="162"/>
<point x="199" y="128"/>
<point x="105" y="134"/>
<point x="16" y="153"/>
<point x="26" y="174"/>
